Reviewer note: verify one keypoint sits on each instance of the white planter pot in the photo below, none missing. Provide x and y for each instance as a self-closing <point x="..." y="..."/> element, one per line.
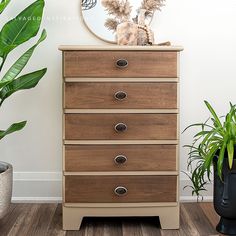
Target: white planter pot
<point x="6" y="173"/>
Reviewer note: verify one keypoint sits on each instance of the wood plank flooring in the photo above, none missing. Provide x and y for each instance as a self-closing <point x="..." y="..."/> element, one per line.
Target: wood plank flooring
<point x="196" y="219"/>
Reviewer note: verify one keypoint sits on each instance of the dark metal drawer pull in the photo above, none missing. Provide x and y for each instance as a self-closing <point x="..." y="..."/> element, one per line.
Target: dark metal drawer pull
<point x="121" y="127"/>
<point x="122" y="63"/>
<point x="121" y="191"/>
<point x="120" y="95"/>
<point x="120" y="159"/>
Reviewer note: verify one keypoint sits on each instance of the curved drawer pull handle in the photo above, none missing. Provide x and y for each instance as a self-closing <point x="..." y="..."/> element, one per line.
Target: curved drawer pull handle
<point x="121" y="127"/>
<point x="122" y="63"/>
<point x="120" y="95"/>
<point x="120" y="191"/>
<point x="120" y="159"/>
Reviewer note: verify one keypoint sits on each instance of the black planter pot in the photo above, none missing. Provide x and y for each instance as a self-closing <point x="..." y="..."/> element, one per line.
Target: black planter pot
<point x="225" y="198"/>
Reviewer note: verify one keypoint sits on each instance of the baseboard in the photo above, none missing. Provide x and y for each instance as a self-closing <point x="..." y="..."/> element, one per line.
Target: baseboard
<point x="37" y="187"/>
<point x="36" y="199"/>
<point x="195" y="199"/>
<point x="42" y="187"/>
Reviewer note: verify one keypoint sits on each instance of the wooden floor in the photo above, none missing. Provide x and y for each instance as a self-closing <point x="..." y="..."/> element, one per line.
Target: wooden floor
<point x="45" y="219"/>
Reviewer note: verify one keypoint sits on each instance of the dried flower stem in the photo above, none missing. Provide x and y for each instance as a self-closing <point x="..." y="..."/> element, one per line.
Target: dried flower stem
<point x="152" y="5"/>
<point x="120" y="9"/>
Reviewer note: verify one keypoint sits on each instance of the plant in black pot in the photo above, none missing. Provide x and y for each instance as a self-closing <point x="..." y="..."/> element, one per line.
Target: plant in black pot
<point x="214" y="144"/>
<point x="14" y="33"/>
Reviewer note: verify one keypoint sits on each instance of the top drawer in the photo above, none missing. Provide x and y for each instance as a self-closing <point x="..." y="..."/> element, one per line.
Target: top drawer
<point x="136" y="64"/>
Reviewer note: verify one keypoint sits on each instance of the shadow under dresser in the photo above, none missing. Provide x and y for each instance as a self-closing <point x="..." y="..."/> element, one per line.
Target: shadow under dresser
<point x="120" y="133"/>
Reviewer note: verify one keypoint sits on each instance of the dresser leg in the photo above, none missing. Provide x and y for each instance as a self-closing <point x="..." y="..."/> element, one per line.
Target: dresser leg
<point x="72" y="219"/>
<point x="169" y="218"/>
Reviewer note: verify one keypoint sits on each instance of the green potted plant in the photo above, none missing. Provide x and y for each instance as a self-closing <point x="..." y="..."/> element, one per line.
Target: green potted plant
<point x="14" y="33"/>
<point x="214" y="144"/>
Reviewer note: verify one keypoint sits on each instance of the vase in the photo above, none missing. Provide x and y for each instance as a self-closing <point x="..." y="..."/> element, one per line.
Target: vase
<point x="127" y="33"/>
<point x="225" y="197"/>
<point x="6" y="173"/>
<point x="145" y="34"/>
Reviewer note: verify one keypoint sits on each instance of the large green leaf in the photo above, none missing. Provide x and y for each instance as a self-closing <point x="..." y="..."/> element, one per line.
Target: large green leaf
<point x="3" y="5"/>
<point x="221" y="159"/>
<point x="216" y="118"/>
<point x="209" y="159"/>
<point x="230" y="149"/>
<point x="19" y="65"/>
<point x="13" y="128"/>
<point x="3" y="83"/>
<point x="27" y="81"/>
<point x="22" y="28"/>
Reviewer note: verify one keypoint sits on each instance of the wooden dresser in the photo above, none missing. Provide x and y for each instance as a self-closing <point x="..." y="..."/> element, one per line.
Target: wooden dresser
<point x="120" y="133"/>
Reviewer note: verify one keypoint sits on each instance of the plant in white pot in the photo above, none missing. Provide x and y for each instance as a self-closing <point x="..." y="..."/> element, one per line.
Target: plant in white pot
<point x="14" y="33"/>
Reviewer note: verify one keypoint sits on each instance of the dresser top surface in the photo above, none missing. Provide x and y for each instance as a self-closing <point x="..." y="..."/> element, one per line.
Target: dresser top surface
<point x="120" y="48"/>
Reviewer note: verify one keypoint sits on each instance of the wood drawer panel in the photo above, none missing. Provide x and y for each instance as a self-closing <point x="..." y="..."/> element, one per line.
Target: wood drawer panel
<point x="102" y="157"/>
<point x="139" y="95"/>
<point x="103" y="64"/>
<point x="102" y="126"/>
<point x="100" y="189"/>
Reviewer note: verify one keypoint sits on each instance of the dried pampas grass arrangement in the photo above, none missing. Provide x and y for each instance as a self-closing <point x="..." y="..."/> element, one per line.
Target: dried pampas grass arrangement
<point x="120" y="9"/>
<point x="111" y="24"/>
<point x="135" y="31"/>
<point x="152" y="5"/>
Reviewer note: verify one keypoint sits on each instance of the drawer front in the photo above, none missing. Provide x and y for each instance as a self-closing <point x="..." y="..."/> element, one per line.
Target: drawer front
<point x="105" y="64"/>
<point x="120" y="158"/>
<point x="120" y="126"/>
<point x="101" y="189"/>
<point x="121" y="95"/>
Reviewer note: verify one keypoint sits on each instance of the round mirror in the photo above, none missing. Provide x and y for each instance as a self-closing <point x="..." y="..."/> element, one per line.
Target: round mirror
<point x="95" y="15"/>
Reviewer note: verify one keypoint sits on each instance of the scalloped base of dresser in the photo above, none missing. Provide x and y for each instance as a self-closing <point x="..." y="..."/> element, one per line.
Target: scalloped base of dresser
<point x="168" y="213"/>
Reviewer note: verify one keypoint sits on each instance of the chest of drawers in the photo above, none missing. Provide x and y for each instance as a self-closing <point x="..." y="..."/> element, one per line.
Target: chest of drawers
<point x="120" y="133"/>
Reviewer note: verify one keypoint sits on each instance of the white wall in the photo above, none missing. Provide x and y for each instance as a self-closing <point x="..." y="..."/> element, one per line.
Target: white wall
<point x="207" y="31"/>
